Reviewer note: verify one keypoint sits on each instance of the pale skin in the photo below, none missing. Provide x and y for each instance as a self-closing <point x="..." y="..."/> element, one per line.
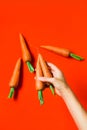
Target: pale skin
<point x="62" y="89"/>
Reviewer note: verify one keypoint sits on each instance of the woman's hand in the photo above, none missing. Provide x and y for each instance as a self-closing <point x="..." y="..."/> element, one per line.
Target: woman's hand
<point x="57" y="80"/>
<point x="77" y="111"/>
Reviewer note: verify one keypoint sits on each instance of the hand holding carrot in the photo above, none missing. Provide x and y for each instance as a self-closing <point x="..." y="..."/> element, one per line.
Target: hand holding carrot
<point x="57" y="80"/>
<point x="46" y="71"/>
<point x="76" y="110"/>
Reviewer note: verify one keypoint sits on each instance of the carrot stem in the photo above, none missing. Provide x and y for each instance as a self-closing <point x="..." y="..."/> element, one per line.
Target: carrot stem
<point x="52" y="89"/>
<point x="40" y="97"/>
<point x="11" y="92"/>
<point x="76" y="56"/>
<point x="30" y="67"/>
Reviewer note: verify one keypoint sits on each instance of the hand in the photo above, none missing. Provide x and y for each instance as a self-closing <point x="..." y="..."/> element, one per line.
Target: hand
<point x="57" y="80"/>
<point x="77" y="111"/>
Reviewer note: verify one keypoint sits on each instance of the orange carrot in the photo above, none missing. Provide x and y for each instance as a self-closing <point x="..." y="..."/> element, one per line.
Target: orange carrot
<point x="25" y="51"/>
<point x="62" y="51"/>
<point x="26" y="54"/>
<point x="15" y="77"/>
<point x="39" y="73"/>
<point x="45" y="69"/>
<point x="39" y="84"/>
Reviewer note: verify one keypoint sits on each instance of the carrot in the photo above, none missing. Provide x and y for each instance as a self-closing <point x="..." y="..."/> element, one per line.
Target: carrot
<point x="39" y="73"/>
<point x="63" y="52"/>
<point x="26" y="54"/>
<point x="46" y="71"/>
<point x="39" y="84"/>
<point x="15" y="78"/>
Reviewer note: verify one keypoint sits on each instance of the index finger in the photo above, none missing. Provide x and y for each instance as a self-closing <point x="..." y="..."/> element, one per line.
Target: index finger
<point x="53" y="67"/>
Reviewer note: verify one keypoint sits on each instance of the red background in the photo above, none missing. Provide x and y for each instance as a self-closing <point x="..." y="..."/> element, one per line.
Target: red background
<point x="42" y="22"/>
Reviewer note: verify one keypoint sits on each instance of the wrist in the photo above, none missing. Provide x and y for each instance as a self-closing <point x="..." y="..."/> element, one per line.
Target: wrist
<point x="64" y="90"/>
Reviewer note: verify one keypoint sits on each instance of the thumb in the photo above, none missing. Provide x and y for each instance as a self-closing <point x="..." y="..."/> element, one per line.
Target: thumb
<point x="45" y="79"/>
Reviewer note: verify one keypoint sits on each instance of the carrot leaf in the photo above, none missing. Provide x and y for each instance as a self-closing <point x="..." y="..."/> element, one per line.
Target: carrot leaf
<point x="30" y="67"/>
<point x="76" y="56"/>
<point x="52" y="89"/>
<point x="11" y="92"/>
<point x="40" y="97"/>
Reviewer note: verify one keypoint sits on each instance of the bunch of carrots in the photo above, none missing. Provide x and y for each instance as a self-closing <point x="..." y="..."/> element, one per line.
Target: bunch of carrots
<point x="42" y="68"/>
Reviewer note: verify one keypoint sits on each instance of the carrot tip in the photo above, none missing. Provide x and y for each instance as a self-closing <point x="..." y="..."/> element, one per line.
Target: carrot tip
<point x="30" y="67"/>
<point x="52" y="89"/>
<point x="40" y="97"/>
<point x="76" y="57"/>
<point x="11" y="93"/>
